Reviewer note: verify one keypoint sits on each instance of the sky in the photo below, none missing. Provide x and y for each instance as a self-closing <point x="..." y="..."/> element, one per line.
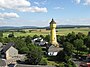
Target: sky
<point x="40" y="12"/>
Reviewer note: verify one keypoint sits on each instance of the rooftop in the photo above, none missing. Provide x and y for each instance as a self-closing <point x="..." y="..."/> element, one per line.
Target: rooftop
<point x="54" y="49"/>
<point x="52" y="22"/>
<point x="2" y="63"/>
<point x="7" y="46"/>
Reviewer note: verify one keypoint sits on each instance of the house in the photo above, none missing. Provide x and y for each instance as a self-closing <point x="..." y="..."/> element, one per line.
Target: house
<point x="53" y="51"/>
<point x="2" y="63"/>
<point x="9" y="51"/>
<point x="11" y="54"/>
<point x="39" y="41"/>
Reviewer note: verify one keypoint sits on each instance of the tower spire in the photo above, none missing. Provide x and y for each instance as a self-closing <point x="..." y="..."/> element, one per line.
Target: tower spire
<point x="52" y="21"/>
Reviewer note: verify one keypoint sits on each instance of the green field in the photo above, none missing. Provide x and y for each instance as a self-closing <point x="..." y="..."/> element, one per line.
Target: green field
<point x="61" y="32"/>
<point x="76" y="30"/>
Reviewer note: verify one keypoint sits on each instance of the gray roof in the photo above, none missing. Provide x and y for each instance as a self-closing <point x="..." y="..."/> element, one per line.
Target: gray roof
<point x="22" y="65"/>
<point x="7" y="46"/>
<point x="54" y="49"/>
<point x="52" y="22"/>
<point x="2" y="63"/>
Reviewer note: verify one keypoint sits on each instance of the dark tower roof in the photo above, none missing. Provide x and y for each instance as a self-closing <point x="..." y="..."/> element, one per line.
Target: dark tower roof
<point x="52" y="22"/>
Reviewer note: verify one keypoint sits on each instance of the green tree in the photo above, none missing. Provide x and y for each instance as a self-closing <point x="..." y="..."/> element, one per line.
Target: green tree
<point x="35" y="36"/>
<point x="28" y="39"/>
<point x="88" y="42"/>
<point x="61" y="39"/>
<point x="68" y="48"/>
<point x="24" y="50"/>
<point x="34" y="55"/>
<point x="42" y="36"/>
<point x="43" y="61"/>
<point x="11" y="35"/>
<point x="19" y="44"/>
<point x="80" y="35"/>
<point x="89" y="33"/>
<point x="47" y="38"/>
<point x="66" y="54"/>
<point x="1" y="34"/>
<point x="61" y="56"/>
<point x="71" y="37"/>
<point x="78" y="43"/>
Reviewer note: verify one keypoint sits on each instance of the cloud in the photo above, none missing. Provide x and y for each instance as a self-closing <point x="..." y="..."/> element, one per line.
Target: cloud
<point x="8" y="15"/>
<point x="20" y="5"/>
<point x="87" y="2"/>
<point x="32" y="9"/>
<point x="84" y="2"/>
<point x="44" y="2"/>
<point x="14" y="3"/>
<point x="37" y="3"/>
<point x="77" y="1"/>
<point x="58" y="8"/>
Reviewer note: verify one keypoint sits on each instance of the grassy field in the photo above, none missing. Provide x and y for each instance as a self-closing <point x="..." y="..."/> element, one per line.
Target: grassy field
<point x="63" y="31"/>
<point x="76" y="30"/>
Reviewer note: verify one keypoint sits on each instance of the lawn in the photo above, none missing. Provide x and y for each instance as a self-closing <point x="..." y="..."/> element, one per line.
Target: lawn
<point x="61" y="31"/>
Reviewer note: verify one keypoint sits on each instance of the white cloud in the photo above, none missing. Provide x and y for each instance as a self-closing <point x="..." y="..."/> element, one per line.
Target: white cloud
<point x="21" y="5"/>
<point x="84" y="2"/>
<point x="58" y="8"/>
<point x="77" y="1"/>
<point x="8" y="15"/>
<point x="37" y="3"/>
<point x="14" y="3"/>
<point x="32" y="9"/>
<point x="87" y="2"/>
<point x="44" y="2"/>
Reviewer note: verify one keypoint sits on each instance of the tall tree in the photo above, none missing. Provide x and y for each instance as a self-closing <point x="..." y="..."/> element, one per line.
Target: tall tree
<point x="68" y="48"/>
<point x="78" y="44"/>
<point x="34" y="55"/>
<point x="47" y="38"/>
<point x="71" y="37"/>
<point x="1" y="34"/>
<point x="88" y="42"/>
<point x="11" y="35"/>
<point x="35" y="36"/>
<point x="28" y="39"/>
<point x="80" y="35"/>
<point x="61" y="39"/>
<point x="19" y="44"/>
<point x="42" y="36"/>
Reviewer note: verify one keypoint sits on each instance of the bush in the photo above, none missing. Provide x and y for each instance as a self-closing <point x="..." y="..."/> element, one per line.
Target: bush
<point x="43" y="62"/>
<point x="61" y="65"/>
<point x="70" y="64"/>
<point x="11" y="35"/>
<point x="24" y="50"/>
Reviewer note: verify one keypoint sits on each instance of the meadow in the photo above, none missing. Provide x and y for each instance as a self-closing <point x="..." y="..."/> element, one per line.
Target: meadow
<point x="61" y="31"/>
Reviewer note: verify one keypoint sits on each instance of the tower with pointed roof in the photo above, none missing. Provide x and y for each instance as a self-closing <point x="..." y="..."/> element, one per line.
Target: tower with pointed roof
<point x="53" y="39"/>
